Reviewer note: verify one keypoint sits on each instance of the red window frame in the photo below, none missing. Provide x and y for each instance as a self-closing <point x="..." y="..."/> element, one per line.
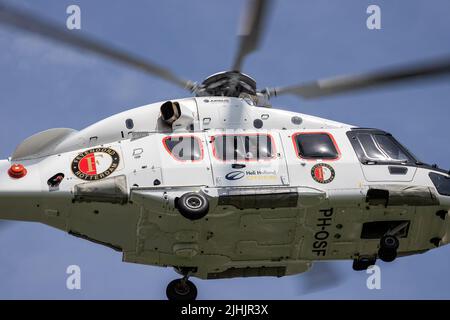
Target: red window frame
<point x="199" y="141"/>
<point x="297" y="151"/>
<point x="274" y="147"/>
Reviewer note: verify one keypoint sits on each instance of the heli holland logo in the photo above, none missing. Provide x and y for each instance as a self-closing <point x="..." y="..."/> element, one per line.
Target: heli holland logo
<point x="235" y="175"/>
<point x="95" y="164"/>
<point x="323" y="173"/>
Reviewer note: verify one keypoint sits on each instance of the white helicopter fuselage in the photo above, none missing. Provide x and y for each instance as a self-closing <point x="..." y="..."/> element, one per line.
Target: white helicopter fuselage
<point x="274" y="205"/>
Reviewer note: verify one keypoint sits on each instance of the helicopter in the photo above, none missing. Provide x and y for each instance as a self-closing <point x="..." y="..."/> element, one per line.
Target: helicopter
<point x="221" y="184"/>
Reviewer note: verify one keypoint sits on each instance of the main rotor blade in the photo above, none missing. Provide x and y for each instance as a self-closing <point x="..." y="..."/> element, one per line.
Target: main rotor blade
<point x="252" y="28"/>
<point x="344" y="84"/>
<point x="30" y="23"/>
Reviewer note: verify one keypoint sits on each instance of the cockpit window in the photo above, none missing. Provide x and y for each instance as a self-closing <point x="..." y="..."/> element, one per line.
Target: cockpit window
<point x="243" y="147"/>
<point x="315" y="146"/>
<point x="369" y="147"/>
<point x="391" y="148"/>
<point x="184" y="148"/>
<point x="377" y="146"/>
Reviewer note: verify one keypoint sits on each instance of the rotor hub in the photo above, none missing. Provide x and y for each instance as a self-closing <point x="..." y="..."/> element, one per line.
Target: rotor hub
<point x="229" y="84"/>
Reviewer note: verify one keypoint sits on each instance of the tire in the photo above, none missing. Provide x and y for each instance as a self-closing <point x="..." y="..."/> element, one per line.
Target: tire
<point x="387" y="255"/>
<point x="177" y="291"/>
<point x="193" y="205"/>
<point x="389" y="243"/>
<point x="363" y="263"/>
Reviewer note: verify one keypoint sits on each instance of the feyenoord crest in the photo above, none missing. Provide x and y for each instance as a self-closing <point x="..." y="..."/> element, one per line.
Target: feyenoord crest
<point x="323" y="173"/>
<point x="95" y="164"/>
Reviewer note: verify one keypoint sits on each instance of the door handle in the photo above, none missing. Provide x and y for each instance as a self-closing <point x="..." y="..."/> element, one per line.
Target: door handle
<point x="238" y="166"/>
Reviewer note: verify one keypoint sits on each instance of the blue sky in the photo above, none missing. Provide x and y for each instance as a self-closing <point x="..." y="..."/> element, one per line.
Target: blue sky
<point x="44" y="85"/>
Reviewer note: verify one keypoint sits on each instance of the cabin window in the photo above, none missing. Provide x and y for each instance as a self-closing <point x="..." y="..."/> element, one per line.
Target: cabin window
<point x="314" y="145"/>
<point x="243" y="147"/>
<point x="184" y="148"/>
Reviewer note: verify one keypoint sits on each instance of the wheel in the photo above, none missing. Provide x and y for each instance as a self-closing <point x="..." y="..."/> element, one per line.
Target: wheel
<point x="388" y="248"/>
<point x="389" y="242"/>
<point x="181" y="290"/>
<point x="387" y="255"/>
<point x="193" y="205"/>
<point x="362" y="264"/>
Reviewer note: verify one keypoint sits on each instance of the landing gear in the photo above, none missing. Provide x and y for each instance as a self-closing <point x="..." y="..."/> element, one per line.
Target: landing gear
<point x="193" y="205"/>
<point x="388" y="248"/>
<point x="181" y="290"/>
<point x="363" y="263"/>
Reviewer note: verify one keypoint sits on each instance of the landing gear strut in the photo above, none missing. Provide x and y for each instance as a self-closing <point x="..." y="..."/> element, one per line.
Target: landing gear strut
<point x="182" y="289"/>
<point x="389" y="243"/>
